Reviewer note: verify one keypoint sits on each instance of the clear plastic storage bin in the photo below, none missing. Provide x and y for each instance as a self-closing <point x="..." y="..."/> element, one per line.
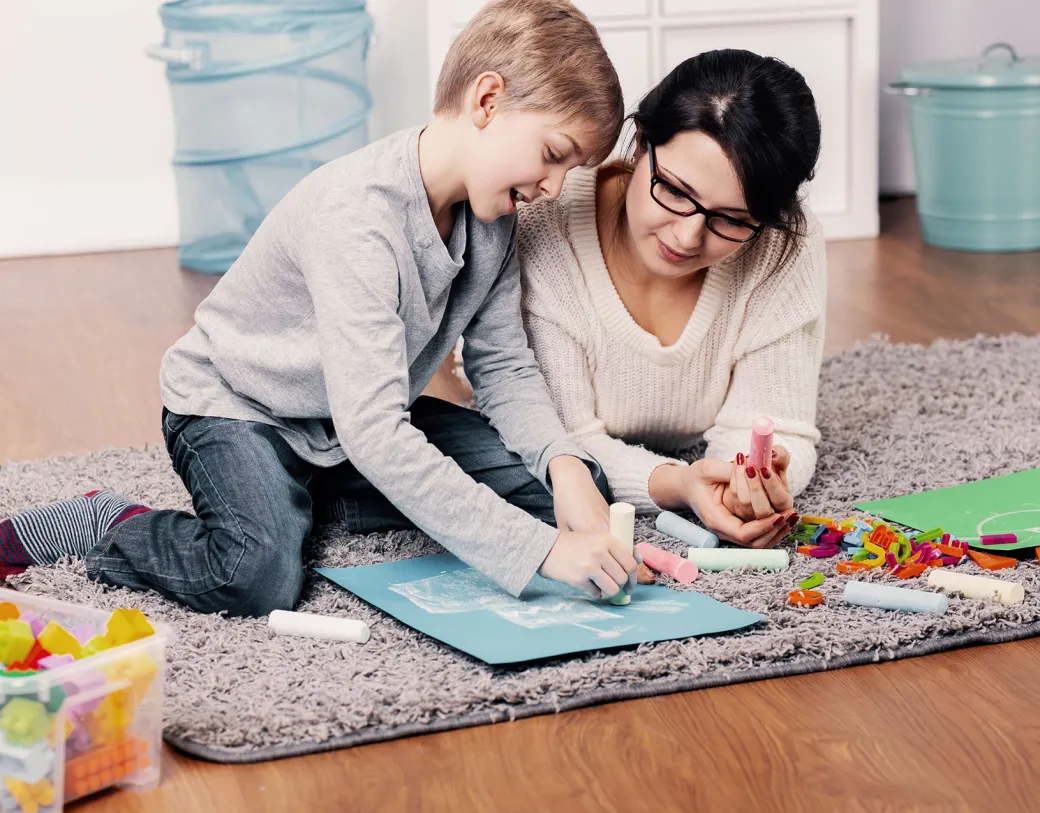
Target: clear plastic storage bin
<point x="89" y="724"/>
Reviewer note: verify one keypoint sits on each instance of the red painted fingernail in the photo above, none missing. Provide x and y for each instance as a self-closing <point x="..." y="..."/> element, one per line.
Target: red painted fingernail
<point x="765" y="474"/>
<point x="793" y="518"/>
<point x="778" y="520"/>
<point x="740" y="459"/>
<point x="750" y="472"/>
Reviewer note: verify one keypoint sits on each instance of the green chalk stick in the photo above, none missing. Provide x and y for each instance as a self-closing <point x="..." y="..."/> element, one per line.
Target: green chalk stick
<point x="726" y="558"/>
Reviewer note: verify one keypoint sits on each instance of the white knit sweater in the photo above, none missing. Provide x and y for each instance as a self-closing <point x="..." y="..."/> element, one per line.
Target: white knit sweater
<point x="752" y="347"/>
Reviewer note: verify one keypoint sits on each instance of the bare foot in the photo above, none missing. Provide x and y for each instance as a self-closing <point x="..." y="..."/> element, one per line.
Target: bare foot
<point x="449" y="387"/>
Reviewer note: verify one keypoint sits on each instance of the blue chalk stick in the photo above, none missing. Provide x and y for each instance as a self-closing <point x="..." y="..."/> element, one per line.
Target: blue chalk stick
<point x="867" y="594"/>
<point x="685" y="531"/>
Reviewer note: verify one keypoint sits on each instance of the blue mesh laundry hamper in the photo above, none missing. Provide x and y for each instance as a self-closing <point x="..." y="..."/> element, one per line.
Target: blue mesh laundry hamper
<point x="264" y="92"/>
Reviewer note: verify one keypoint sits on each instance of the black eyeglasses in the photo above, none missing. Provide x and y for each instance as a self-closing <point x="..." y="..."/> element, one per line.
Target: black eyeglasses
<point x="679" y="203"/>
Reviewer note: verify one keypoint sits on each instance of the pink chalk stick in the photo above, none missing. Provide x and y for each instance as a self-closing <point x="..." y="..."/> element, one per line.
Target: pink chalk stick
<point x="682" y="570"/>
<point x="762" y="443"/>
<point x="999" y="539"/>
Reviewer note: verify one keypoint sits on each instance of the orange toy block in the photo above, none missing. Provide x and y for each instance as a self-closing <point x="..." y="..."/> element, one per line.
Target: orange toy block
<point x="102" y="767"/>
<point x="911" y="571"/>
<point x="8" y="611"/>
<point x="991" y="562"/>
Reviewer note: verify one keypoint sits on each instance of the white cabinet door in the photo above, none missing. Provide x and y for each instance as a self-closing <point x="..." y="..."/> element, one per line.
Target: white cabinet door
<point x="833" y="43"/>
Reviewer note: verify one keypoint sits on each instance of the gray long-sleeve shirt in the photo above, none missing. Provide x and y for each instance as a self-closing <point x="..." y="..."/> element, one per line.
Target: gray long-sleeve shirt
<point x="335" y="318"/>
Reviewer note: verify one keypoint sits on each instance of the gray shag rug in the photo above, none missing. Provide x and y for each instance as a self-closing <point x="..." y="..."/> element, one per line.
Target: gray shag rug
<point x="895" y="419"/>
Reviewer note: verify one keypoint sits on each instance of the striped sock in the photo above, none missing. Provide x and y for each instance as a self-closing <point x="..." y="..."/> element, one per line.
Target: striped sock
<point x="40" y="536"/>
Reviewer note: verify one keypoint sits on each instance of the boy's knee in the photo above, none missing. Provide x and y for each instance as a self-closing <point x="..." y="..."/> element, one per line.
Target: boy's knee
<point x="270" y="580"/>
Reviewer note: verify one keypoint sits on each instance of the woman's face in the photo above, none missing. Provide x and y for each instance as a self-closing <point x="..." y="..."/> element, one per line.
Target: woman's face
<point x="670" y="245"/>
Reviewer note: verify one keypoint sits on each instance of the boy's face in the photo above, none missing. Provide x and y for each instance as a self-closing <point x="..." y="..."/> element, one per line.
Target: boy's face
<point x="519" y="156"/>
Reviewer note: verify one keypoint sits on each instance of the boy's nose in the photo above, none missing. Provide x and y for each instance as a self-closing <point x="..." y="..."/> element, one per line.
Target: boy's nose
<point x="551" y="187"/>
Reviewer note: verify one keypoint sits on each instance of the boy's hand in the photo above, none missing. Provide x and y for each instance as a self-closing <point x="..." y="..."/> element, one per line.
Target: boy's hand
<point x="577" y="502"/>
<point x="753" y="494"/>
<point x="596" y="564"/>
<point x="707" y="485"/>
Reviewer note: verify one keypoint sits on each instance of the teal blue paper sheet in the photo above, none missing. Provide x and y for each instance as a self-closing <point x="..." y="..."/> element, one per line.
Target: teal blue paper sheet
<point x="446" y="599"/>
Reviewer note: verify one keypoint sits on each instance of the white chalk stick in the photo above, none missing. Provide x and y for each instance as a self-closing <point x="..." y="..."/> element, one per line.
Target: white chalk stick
<point x="310" y="625"/>
<point x="623" y="529"/>
<point x="977" y="586"/>
<point x="725" y="558"/>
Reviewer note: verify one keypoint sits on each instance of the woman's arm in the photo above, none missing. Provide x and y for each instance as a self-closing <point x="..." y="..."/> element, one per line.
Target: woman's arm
<point x="778" y="367"/>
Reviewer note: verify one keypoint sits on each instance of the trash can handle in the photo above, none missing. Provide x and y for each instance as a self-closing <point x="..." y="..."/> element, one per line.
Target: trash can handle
<point x="996" y="46"/>
<point x="906" y="89"/>
<point x="193" y="58"/>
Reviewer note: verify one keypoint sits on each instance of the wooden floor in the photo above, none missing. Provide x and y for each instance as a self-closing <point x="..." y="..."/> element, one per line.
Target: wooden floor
<point x="80" y="343"/>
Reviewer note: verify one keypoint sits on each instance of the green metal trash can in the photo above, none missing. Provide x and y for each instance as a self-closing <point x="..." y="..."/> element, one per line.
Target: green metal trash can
<point x="975" y="128"/>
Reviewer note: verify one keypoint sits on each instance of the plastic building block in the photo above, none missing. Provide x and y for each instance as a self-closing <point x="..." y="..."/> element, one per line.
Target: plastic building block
<point x="24" y="721"/>
<point x="108" y="721"/>
<point x="815" y="580"/>
<point x="16" y="639"/>
<point x="805" y="598"/>
<point x="138" y="670"/>
<point x="54" y="661"/>
<point x="990" y="562"/>
<point x="30" y="797"/>
<point x="57" y="641"/>
<point x="127" y="625"/>
<point x="8" y="611"/>
<point x="28" y="763"/>
<point x="99" y="643"/>
<point x="102" y="767"/>
<point x="851" y="567"/>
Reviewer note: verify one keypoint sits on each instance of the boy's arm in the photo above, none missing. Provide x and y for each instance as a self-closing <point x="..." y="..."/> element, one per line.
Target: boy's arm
<point x="508" y="387"/>
<point x="352" y="277"/>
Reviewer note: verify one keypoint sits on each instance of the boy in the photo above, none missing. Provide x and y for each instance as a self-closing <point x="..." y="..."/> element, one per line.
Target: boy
<point x="295" y="394"/>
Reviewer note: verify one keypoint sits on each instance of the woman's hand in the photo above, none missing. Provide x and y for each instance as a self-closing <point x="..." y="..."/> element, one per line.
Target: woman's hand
<point x="754" y="494"/>
<point x="577" y="502"/>
<point x="707" y="483"/>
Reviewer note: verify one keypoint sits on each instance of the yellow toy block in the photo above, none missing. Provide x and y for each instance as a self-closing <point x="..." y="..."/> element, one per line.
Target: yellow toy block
<point x="16" y="639"/>
<point x="56" y="640"/>
<point x="108" y="721"/>
<point x="30" y="797"/>
<point x="138" y="670"/>
<point x="126" y="625"/>
<point x="99" y="643"/>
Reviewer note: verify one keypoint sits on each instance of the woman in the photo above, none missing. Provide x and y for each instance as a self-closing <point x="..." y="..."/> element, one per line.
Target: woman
<point x="681" y="292"/>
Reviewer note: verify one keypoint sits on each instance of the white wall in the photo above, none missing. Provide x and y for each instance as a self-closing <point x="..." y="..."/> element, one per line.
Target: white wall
<point x="86" y="131"/>
<point x="923" y="30"/>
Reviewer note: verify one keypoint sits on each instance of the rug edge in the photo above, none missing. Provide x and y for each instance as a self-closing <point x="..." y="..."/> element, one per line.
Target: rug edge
<point x="595" y="698"/>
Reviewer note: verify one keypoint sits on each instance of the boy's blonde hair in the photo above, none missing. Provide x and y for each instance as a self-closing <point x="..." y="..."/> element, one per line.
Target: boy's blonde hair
<point x="551" y="59"/>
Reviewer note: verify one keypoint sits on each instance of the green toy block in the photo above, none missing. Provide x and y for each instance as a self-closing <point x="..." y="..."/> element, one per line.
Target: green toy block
<point x="24" y="721"/>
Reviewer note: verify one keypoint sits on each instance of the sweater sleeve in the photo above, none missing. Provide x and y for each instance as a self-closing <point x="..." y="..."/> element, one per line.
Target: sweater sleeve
<point x="351" y="273"/>
<point x="507" y="386"/>
<point x="566" y="370"/>
<point x="777" y="366"/>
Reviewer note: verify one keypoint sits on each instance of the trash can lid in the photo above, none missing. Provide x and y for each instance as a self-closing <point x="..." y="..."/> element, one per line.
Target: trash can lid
<point x="999" y="66"/>
<point x="261" y="16"/>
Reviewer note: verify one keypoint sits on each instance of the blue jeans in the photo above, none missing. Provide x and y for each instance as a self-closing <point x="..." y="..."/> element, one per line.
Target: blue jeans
<point x="256" y="502"/>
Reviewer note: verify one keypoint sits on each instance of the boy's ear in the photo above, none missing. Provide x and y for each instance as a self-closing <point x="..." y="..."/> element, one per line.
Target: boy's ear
<point x="486" y="98"/>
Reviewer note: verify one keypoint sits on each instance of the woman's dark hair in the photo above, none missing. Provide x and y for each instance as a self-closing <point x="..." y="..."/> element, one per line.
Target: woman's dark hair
<point x="762" y="114"/>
